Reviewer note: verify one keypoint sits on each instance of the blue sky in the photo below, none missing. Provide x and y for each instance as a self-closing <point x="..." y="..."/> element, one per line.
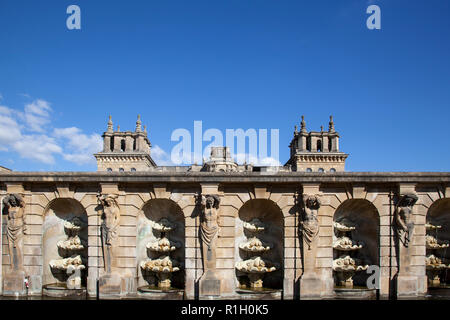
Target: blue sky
<point x="231" y="64"/>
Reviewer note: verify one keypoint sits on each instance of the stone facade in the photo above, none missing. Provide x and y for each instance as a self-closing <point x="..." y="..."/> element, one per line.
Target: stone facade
<point x="210" y="238"/>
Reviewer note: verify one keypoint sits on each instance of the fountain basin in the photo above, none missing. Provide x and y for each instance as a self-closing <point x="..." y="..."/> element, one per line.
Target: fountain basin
<point x="355" y="293"/>
<point x="259" y="293"/>
<point x="157" y="293"/>
<point x="60" y="290"/>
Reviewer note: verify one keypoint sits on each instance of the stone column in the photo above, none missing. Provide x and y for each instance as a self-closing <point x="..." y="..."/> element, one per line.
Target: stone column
<point x="313" y="143"/>
<point x="14" y="205"/>
<point x="209" y="283"/>
<point x="310" y="282"/>
<point x="407" y="282"/>
<point x="129" y="143"/>
<point x="117" y="143"/>
<point x="325" y="144"/>
<point x="107" y="143"/>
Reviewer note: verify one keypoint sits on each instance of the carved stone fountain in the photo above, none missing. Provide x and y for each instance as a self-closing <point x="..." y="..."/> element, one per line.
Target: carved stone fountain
<point x="163" y="266"/>
<point x="434" y="264"/>
<point x="344" y="266"/>
<point x="72" y="265"/>
<point x="255" y="267"/>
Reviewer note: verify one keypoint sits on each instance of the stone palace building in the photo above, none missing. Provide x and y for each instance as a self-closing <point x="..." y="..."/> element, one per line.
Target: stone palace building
<point x="305" y="230"/>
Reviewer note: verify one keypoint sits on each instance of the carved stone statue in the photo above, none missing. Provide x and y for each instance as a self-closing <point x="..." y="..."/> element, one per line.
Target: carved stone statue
<point x="209" y="283"/>
<point x="310" y="282"/>
<point x="310" y="224"/>
<point x="209" y="230"/>
<point x="109" y="228"/>
<point x="15" y="229"/>
<point x="404" y="219"/>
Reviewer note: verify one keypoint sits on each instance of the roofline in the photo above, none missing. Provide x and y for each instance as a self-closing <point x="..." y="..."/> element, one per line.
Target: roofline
<point x="226" y="177"/>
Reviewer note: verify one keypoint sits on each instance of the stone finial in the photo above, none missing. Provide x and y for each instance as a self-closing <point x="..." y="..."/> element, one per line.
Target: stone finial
<point x="331" y="125"/>
<point x="118" y="128"/>
<point x="321" y="128"/>
<point x="138" y="124"/>
<point x="145" y="129"/>
<point x="295" y="129"/>
<point x="303" y="125"/>
<point x="110" y="124"/>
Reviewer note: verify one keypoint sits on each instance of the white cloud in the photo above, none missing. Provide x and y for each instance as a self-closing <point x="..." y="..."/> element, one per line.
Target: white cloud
<point x="35" y="140"/>
<point x="9" y="128"/>
<point x="249" y="158"/>
<point x="161" y="157"/>
<point x="82" y="146"/>
<point x="37" y="115"/>
<point x="37" y="147"/>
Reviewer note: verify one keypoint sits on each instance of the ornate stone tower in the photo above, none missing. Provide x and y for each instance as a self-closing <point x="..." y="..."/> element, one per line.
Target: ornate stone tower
<point x="316" y="151"/>
<point x="125" y="151"/>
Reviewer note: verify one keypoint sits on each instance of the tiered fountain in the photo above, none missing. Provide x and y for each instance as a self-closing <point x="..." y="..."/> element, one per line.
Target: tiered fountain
<point x="71" y="266"/>
<point x="344" y="266"/>
<point x="254" y="267"/>
<point x="434" y="264"/>
<point x="163" y="266"/>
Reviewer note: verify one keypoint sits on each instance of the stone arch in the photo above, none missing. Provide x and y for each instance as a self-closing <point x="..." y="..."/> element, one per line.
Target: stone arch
<point x="152" y="211"/>
<point x="56" y="213"/>
<point x="363" y="215"/>
<point x="439" y="214"/>
<point x="268" y="212"/>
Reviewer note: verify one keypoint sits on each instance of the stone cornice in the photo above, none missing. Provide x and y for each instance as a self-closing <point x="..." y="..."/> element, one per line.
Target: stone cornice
<point x="231" y="177"/>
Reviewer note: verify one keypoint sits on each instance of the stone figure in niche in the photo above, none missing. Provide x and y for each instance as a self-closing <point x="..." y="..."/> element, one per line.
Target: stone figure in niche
<point x="15" y="229"/>
<point x="109" y="228"/>
<point x="310" y="224"/>
<point x="404" y="217"/>
<point x="209" y="229"/>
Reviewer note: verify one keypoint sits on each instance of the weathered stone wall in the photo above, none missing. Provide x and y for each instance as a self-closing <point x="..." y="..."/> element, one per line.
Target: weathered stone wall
<point x="136" y="191"/>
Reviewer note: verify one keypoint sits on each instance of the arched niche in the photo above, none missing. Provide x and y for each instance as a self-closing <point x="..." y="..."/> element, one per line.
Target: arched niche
<point x="439" y="214"/>
<point x="58" y="212"/>
<point x="153" y="211"/>
<point x="271" y="215"/>
<point x="362" y="215"/>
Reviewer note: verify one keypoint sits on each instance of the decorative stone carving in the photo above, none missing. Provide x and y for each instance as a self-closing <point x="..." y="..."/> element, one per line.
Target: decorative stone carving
<point x="407" y="281"/>
<point x="346" y="244"/>
<point x="209" y="284"/>
<point x="310" y="282"/>
<point x="254" y="244"/>
<point x="433" y="244"/>
<point x="404" y="217"/>
<point x="109" y="228"/>
<point x="15" y="229"/>
<point x="430" y="226"/>
<point x="310" y="223"/>
<point x="209" y="229"/>
<point x="434" y="264"/>
<point x="72" y="265"/>
<point x="255" y="268"/>
<point x="434" y="267"/>
<point x="344" y="266"/>
<point x="255" y="225"/>
<point x="163" y="266"/>
<point x="342" y="227"/>
<point x="163" y="225"/>
<point x="163" y="245"/>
